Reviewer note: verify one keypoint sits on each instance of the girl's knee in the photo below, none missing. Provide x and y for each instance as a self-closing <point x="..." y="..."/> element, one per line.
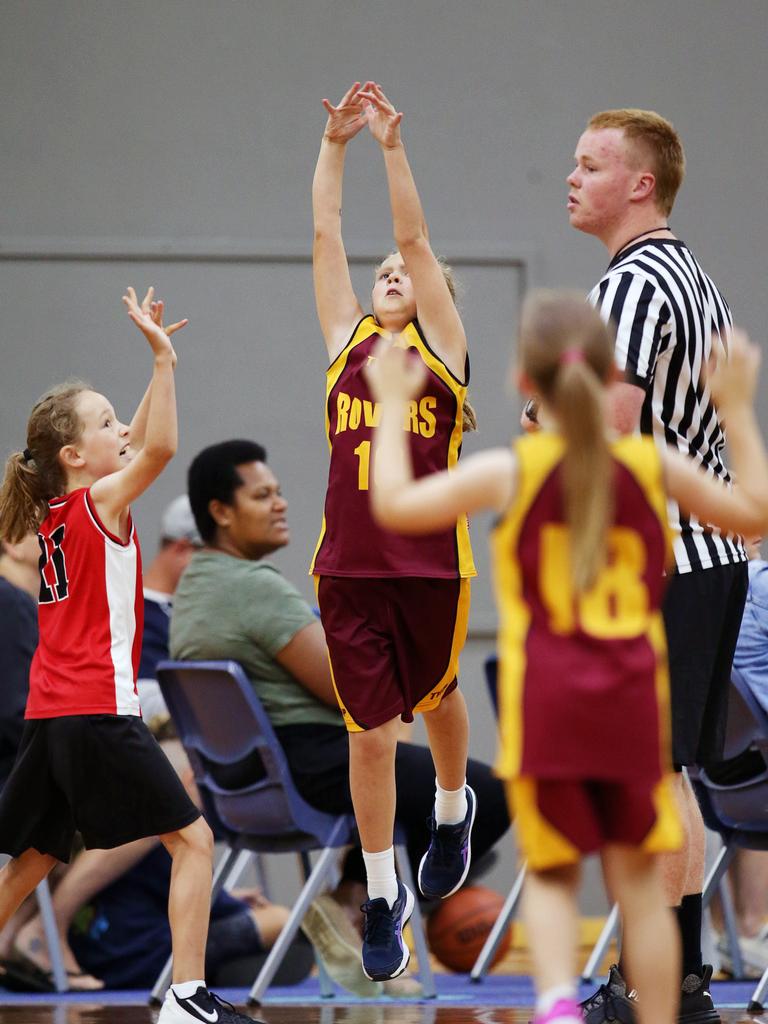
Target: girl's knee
<point x="375" y="743"/>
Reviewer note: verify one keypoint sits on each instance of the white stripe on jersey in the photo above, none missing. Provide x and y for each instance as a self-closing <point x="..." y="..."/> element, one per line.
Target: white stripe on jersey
<point x="120" y="568"/>
<point x="120" y="578"/>
<point x="668" y="316"/>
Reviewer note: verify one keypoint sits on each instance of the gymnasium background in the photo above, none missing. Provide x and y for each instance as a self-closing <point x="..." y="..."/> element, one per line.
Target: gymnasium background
<point x="173" y="142"/>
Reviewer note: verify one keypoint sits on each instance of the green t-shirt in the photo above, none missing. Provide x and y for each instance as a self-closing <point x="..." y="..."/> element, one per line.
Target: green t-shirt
<point x="228" y="608"/>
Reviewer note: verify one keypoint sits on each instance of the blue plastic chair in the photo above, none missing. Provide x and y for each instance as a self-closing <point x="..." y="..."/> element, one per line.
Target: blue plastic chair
<point x="738" y="809"/>
<point x="250" y="800"/>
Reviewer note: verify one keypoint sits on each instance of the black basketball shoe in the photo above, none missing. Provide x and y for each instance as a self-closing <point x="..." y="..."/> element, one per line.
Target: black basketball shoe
<point x="696" y="1006"/>
<point x="611" y="1002"/>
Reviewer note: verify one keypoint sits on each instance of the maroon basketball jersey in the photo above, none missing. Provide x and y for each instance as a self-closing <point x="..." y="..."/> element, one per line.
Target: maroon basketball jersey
<point x="351" y="543"/>
<point x="583" y="689"/>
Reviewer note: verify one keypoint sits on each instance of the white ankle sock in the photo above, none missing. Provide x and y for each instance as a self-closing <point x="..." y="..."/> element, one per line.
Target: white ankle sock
<point x="186" y="989"/>
<point x="380" y="872"/>
<point x="450" y="804"/>
<point x="547" y="999"/>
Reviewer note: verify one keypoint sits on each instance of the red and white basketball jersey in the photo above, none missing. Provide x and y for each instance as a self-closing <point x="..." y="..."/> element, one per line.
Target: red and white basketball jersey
<point x="91" y="615"/>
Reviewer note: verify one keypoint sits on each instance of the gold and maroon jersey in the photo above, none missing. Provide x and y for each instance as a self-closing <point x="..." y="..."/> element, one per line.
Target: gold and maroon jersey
<point x="351" y="543"/>
<point x="583" y="684"/>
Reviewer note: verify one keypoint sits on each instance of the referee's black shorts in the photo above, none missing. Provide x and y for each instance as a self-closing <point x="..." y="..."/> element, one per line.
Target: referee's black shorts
<point x="104" y="776"/>
<point x="702" y="614"/>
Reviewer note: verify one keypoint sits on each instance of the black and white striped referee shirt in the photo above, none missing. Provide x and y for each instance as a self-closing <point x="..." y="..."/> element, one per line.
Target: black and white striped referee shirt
<point x="668" y="316"/>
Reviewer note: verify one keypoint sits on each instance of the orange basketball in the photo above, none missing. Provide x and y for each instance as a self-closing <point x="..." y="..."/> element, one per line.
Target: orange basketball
<point x="457" y="930"/>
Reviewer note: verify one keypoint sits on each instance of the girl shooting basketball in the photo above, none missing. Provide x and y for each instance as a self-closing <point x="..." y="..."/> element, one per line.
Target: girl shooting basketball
<point x="580" y="548"/>
<point x="87" y="762"/>
<point x="394" y="609"/>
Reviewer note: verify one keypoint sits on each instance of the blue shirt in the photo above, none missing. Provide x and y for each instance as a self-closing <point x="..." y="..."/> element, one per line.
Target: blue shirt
<point x="751" y="657"/>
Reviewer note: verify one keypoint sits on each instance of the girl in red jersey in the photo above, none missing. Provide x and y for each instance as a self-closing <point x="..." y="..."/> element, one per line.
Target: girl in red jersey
<point x="87" y="762"/>
<point x="579" y="550"/>
<point x="394" y="610"/>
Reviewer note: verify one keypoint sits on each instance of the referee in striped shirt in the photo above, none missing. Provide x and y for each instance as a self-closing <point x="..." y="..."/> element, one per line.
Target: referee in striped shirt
<point x="670" y="317"/>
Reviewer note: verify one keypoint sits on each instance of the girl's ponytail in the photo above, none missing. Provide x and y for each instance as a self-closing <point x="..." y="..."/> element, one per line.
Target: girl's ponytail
<point x="567" y="355"/>
<point x="35" y="475"/>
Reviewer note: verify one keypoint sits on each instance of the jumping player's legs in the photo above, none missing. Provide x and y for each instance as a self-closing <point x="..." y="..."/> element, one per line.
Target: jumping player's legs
<point x="372" y="783"/>
<point x="651" y="943"/>
<point x="189" y="900"/>
<point x="445" y="865"/>
<point x="447" y="728"/>
<point x="390" y="903"/>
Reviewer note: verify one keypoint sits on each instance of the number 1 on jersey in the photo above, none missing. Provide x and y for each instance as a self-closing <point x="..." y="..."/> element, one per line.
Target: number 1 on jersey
<point x="363" y="453"/>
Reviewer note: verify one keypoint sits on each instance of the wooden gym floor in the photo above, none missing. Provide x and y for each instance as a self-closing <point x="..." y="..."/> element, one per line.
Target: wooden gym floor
<point x="374" y="1014"/>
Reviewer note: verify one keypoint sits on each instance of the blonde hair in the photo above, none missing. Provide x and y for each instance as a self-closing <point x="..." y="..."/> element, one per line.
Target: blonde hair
<point x="35" y="475"/>
<point x="567" y="353"/>
<point x="658" y="140"/>
<point x="469" y="416"/>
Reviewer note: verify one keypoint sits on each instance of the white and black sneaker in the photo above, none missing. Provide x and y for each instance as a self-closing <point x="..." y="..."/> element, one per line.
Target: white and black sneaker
<point x="203" y="1006"/>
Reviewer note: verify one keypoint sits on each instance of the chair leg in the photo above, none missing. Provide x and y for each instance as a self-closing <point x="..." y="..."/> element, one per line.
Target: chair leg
<point x="496" y="933"/>
<point x="417" y="925"/>
<point x="243" y="859"/>
<point x="326" y="985"/>
<point x="718" y="869"/>
<point x="602" y="944"/>
<point x="223" y="870"/>
<point x="731" y="929"/>
<point x="43" y="894"/>
<point x="262" y="874"/>
<point x="318" y="877"/>
<point x="756" y="1002"/>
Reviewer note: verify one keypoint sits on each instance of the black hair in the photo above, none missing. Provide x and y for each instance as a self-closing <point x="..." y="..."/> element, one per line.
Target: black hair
<point x="213" y="476"/>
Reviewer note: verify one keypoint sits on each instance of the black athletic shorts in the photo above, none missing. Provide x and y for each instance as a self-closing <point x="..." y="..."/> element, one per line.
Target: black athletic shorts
<point x="702" y="615"/>
<point x="104" y="776"/>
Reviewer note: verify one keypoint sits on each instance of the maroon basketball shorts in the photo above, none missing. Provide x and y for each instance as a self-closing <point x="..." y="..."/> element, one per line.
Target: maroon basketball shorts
<point x="394" y="644"/>
<point x="558" y="821"/>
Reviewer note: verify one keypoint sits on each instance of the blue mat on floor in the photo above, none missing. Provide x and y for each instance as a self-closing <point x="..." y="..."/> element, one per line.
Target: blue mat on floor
<point x="452" y="990"/>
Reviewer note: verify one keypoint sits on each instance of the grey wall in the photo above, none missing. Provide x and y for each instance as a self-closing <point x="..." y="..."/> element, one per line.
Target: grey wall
<point x="173" y="142"/>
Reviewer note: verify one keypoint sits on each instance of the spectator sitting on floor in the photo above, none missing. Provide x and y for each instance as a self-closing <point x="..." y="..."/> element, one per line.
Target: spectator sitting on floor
<point x="233" y="604"/>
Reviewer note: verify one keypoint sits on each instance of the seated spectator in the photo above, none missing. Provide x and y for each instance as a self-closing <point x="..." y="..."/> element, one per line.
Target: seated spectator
<point x="233" y="604"/>
<point x="749" y="872"/>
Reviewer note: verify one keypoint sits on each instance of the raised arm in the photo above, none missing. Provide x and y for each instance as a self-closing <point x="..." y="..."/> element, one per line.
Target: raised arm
<point x="437" y="311"/>
<point x="434" y="502"/>
<point x="337" y="307"/>
<point x="744" y="507"/>
<point x="113" y="494"/>
<point x="155" y="310"/>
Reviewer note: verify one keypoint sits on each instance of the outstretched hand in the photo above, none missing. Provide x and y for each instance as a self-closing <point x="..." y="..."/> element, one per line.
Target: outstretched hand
<point x="383" y="120"/>
<point x="392" y="373"/>
<point x="733" y="378"/>
<point x="148" y="317"/>
<point x="345" y="120"/>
